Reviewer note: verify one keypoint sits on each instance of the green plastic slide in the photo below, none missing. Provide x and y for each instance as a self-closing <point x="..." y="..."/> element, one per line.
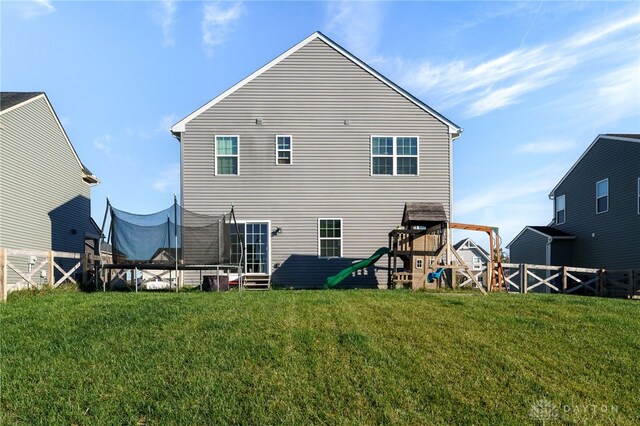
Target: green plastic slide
<point x="337" y="279"/>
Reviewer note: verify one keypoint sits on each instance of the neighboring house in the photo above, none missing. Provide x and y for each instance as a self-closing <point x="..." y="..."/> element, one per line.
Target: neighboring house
<point x="473" y="255"/>
<point x="45" y="199"/>
<point x="596" y="211"/>
<point x="318" y="153"/>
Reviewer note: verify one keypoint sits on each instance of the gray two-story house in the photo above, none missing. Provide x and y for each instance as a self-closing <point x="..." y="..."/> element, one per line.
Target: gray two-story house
<point x="596" y="206"/>
<point x="45" y="198"/>
<point x="318" y="154"/>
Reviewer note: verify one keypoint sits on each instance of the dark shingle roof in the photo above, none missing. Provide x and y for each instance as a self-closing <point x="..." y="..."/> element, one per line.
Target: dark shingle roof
<point x="552" y="232"/>
<point x="624" y="135"/>
<point x="426" y="214"/>
<point x="9" y="99"/>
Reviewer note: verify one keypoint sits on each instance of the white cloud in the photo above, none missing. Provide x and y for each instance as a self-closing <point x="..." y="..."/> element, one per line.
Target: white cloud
<point x="553" y="146"/>
<point x="515" y="187"/>
<point x="488" y="85"/>
<point x="165" y="123"/>
<point x="168" y="180"/>
<point x="164" y="15"/>
<point x="31" y="9"/>
<point x="217" y="22"/>
<point x="103" y="143"/>
<point x="356" y="24"/>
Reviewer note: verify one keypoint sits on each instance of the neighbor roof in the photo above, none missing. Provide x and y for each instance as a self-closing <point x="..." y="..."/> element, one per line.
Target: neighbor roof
<point x="626" y="137"/>
<point x="422" y="213"/>
<point x="12" y="100"/>
<point x="545" y="231"/>
<point x="459" y="244"/>
<point x="453" y="128"/>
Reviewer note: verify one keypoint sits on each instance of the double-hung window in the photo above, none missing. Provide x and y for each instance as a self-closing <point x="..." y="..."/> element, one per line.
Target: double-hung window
<point x="560" y="210"/>
<point x="227" y="155"/>
<point x="330" y="237"/>
<point x="394" y="155"/>
<point x="283" y="149"/>
<point x="602" y="196"/>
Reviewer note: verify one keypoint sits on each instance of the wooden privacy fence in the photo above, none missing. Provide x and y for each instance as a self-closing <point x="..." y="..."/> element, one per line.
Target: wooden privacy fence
<point x="525" y="278"/>
<point x="45" y="260"/>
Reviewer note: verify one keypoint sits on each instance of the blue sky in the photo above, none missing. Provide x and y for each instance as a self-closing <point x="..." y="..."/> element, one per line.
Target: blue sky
<point x="531" y="83"/>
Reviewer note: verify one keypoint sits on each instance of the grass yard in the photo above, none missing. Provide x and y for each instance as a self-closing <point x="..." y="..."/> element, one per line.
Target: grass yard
<point x="318" y="357"/>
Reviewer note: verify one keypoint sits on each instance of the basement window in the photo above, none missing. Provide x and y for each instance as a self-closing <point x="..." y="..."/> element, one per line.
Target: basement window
<point x="602" y="196"/>
<point x="330" y="237"/>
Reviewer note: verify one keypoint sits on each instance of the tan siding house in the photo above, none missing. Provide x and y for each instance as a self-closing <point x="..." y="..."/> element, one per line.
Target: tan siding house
<point x="318" y="153"/>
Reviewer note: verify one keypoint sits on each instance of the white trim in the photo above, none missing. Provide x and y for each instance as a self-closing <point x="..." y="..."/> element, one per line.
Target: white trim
<point x="260" y="221"/>
<point x="181" y="125"/>
<point x="601" y="136"/>
<point x="290" y="150"/>
<point x="602" y="196"/>
<point x="394" y="155"/>
<point x="555" y="208"/>
<point x="215" y="151"/>
<point x="331" y="238"/>
<point x="64" y="133"/>
<point x="420" y="263"/>
<point x="639" y="195"/>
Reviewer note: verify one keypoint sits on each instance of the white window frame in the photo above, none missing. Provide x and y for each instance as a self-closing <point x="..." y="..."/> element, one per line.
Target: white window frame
<point x="244" y="260"/>
<point x="394" y="154"/>
<point x="215" y="151"/>
<point x="290" y="150"/>
<point x="419" y="264"/>
<point x="597" y="183"/>
<point x="330" y="238"/>
<point x="564" y="199"/>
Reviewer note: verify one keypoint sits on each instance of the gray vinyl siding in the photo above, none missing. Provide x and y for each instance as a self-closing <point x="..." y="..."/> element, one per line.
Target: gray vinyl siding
<point x="530" y="248"/>
<point x="42" y="194"/>
<point x="607" y="240"/>
<point x="309" y="95"/>
<point x="562" y="252"/>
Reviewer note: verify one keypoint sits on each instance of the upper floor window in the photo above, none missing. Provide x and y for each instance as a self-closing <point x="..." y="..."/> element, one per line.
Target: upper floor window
<point x="394" y="155"/>
<point x="227" y="155"/>
<point x="602" y="196"/>
<point x="283" y="149"/>
<point x="330" y="237"/>
<point x="560" y="210"/>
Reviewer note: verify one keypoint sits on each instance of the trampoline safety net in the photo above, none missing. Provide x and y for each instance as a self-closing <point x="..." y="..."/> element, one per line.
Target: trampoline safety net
<point x="157" y="238"/>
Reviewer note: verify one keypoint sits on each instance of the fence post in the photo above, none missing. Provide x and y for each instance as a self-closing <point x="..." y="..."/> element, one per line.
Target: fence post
<point x="523" y="278"/>
<point x="85" y="262"/>
<point x="51" y="280"/>
<point x="564" y="279"/>
<point x="3" y="275"/>
<point x="602" y="282"/>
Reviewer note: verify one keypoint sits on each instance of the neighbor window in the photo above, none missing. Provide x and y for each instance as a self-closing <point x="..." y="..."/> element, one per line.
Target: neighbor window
<point x="283" y="149"/>
<point x="394" y="155"/>
<point x="330" y="237"/>
<point x="560" y="210"/>
<point x="602" y="196"/>
<point x="227" y="155"/>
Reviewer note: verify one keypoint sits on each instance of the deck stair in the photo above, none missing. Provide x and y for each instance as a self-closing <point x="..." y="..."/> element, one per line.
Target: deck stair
<point x="256" y="282"/>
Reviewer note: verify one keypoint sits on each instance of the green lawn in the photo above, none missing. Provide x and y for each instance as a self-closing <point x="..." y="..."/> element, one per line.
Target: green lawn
<point x="314" y="357"/>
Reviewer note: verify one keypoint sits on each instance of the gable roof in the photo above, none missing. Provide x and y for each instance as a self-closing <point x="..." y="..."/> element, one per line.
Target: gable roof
<point x="470" y="242"/>
<point x="11" y="99"/>
<point x="545" y="231"/>
<point x="626" y="137"/>
<point x="18" y="99"/>
<point x="454" y="129"/>
<point x="422" y="213"/>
